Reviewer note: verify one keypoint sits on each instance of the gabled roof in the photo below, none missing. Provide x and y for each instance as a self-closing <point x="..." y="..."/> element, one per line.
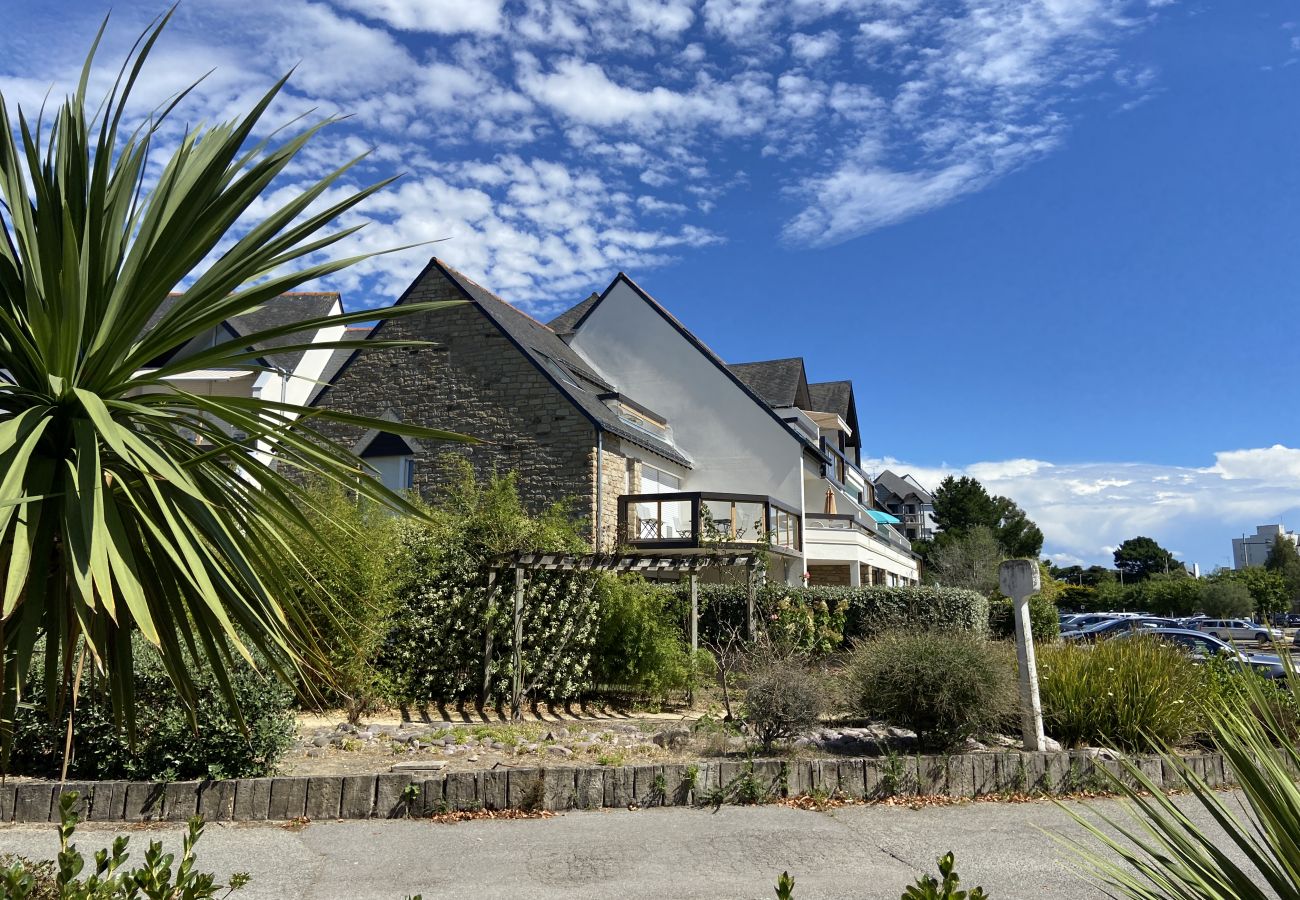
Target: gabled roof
<point x="704" y="349"/>
<point x="566" y="321"/>
<point x="837" y="397"/>
<point x="568" y="371"/>
<point x="901" y="487"/>
<point x="781" y="382"/>
<point x="285" y="309"/>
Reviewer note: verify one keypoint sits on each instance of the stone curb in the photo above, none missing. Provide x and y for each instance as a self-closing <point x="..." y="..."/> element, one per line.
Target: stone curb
<point x="396" y="795"/>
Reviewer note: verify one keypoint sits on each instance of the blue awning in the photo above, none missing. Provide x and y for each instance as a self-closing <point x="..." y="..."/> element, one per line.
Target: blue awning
<point x="884" y="518"/>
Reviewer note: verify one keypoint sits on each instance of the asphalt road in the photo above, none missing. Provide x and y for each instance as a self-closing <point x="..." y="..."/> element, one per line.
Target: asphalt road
<point x="857" y="852"/>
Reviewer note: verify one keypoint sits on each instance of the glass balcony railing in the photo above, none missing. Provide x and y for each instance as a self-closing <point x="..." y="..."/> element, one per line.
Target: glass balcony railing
<point x="701" y="519"/>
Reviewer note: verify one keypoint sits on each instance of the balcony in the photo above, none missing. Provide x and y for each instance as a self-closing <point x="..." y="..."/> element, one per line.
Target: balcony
<point x="697" y="519"/>
<point x="853" y="522"/>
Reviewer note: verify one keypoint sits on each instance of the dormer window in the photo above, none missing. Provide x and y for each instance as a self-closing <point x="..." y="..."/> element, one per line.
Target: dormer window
<point x="392" y="460"/>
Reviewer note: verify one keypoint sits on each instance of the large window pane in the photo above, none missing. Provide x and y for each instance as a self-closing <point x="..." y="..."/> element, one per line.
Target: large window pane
<point x="666" y="520"/>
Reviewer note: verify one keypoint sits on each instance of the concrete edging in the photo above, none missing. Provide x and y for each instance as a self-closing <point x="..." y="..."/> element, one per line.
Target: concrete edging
<point x="400" y="795"/>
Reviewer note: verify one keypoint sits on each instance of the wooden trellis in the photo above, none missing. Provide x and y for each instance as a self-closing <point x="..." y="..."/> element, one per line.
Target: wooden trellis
<point x="522" y="563"/>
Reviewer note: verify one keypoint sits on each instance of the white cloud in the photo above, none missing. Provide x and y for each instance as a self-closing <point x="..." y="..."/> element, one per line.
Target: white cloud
<point x="812" y="48"/>
<point x="441" y="16"/>
<point x="1087" y="509"/>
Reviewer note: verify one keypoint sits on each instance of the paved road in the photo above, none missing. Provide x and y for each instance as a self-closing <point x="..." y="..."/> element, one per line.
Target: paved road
<point x="859" y="852"/>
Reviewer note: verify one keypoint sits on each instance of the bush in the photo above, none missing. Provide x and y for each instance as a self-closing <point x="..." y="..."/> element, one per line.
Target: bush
<point x="168" y="746"/>
<point x="783" y="700"/>
<point x="1133" y="694"/>
<point x="944" y="685"/>
<point x="1044" y="619"/>
<point x="825" y="619"/>
<point x="1225" y="599"/>
<point x="639" y="639"/>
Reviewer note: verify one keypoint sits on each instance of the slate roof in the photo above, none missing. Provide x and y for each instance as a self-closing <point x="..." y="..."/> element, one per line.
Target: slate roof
<point x="570" y="373"/>
<point x="780" y="382"/>
<point x="833" y="396"/>
<point x="283" y="310"/>
<point x="900" y="487"/>
<point x="564" y="322"/>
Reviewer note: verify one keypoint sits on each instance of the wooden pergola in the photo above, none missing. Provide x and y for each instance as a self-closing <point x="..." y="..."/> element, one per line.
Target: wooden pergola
<point x="688" y="564"/>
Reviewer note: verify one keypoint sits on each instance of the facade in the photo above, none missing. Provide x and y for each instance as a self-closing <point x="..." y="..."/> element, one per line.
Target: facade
<point x="616" y="407"/>
<point x="1253" y="550"/>
<point x="912" y="504"/>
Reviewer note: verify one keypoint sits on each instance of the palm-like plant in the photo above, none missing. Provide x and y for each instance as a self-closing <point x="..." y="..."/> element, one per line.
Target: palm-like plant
<point x="112" y="520"/>
<point x="1161" y="853"/>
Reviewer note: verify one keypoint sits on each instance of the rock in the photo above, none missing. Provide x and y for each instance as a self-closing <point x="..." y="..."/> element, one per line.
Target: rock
<point x="557" y="750"/>
<point x="671" y="738"/>
<point x="320" y="740"/>
<point x="803" y="743"/>
<point x="426" y="765"/>
<point x="316" y="752"/>
<point x="471" y="759"/>
<point x="1051" y="745"/>
<point x="497" y="745"/>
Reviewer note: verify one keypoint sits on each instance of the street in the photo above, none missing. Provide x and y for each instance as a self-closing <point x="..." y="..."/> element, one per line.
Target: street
<point x="858" y="852"/>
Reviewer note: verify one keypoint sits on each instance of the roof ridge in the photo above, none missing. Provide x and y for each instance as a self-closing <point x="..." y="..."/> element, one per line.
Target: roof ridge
<point x="457" y="273"/>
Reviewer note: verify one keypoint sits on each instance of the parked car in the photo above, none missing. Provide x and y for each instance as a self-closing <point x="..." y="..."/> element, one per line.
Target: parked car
<point x="1285" y="620"/>
<point x="1115" y="627"/>
<point x="1238" y="630"/>
<point x="1202" y="646"/>
<point x="1087" y="620"/>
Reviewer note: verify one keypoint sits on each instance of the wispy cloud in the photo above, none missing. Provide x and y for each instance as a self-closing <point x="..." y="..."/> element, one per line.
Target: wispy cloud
<point x="1087" y="509"/>
<point x="554" y="141"/>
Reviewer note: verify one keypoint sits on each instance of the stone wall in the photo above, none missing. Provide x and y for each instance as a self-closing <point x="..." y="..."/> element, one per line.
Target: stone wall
<point x="834" y="575"/>
<point x="619" y="475"/>
<point x="472" y="380"/>
<point x="592" y="787"/>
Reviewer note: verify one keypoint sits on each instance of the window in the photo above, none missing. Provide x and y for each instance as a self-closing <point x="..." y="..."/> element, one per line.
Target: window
<point x="656" y="481"/>
<point x="391" y="460"/>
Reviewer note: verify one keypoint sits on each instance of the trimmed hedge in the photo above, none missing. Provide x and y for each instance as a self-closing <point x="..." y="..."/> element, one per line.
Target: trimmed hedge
<point x="826" y="619"/>
<point x="1044" y="618"/>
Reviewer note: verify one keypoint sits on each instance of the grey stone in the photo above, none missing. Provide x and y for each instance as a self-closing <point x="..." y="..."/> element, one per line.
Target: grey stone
<point x="85" y="791"/>
<point x="646" y="783"/>
<point x="560" y="789"/>
<point x="34" y="802"/>
<point x="496" y="789"/>
<point x="217" y="800"/>
<point x="324" y="797"/>
<point x="619" y="787"/>
<point x="672" y="738"/>
<point x="557" y="750"/>
<point x="525" y="789"/>
<point x="8" y="793"/>
<point x="392" y="800"/>
<point x="464" y="791"/>
<point x="180" y="801"/>
<point x="288" y="799"/>
<point x="589" y="787"/>
<point x="433" y="796"/>
<point x="358" y="800"/>
<point x="144" y="801"/>
<point x="852" y="776"/>
<point x="960" y="777"/>
<point x="931" y="775"/>
<point x="252" y="799"/>
<point x="320" y="741"/>
<point x="798" y="778"/>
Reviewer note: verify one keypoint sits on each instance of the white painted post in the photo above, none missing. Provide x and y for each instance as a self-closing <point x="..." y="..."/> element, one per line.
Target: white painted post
<point x="1020" y="579"/>
<point x="517" y="689"/>
<point x="695" y="632"/>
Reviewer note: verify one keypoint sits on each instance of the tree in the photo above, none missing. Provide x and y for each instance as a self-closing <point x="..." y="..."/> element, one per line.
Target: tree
<point x="1226" y="599"/>
<point x="113" y="521"/>
<point x="1284" y="559"/>
<point x="1267" y="588"/>
<point x="1141" y="557"/>
<point x="967" y="560"/>
<point x="1020" y="537"/>
<point x="962" y="503"/>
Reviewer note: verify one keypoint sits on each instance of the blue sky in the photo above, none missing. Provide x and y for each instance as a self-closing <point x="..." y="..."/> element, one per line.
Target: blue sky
<point x="1053" y="243"/>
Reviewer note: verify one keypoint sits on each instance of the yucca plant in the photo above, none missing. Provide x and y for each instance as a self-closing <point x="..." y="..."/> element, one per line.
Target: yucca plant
<point x="1160" y="852"/>
<point x="125" y="503"/>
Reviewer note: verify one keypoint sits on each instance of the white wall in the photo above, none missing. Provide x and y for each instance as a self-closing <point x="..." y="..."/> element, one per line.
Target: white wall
<point x="735" y="445"/>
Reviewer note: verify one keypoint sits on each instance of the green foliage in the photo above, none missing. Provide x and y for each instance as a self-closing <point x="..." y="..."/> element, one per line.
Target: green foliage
<point x="1160" y="851"/>
<point x="783" y="700"/>
<point x="1134" y="694"/>
<point x="826" y="619"/>
<point x="362" y="589"/>
<point x="962" y="504"/>
<point x="434" y="650"/>
<point x="1044" y="618"/>
<point x="1284" y="559"/>
<point x="944" y="685"/>
<point x="1225" y="599"/>
<point x="168" y="746"/>
<point x="160" y="877"/>
<point x="128" y="502"/>
<point x="966" y="559"/>
<point x="1141" y="557"/>
<point x="784" y="887"/>
<point x="930" y="888"/>
<point x="1166" y="595"/>
<point x="639" y="639"/>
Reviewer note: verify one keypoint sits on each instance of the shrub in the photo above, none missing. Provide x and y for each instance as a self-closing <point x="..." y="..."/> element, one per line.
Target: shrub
<point x="1221" y="599"/>
<point x="783" y="700"/>
<point x="22" y="879"/>
<point x="1044" y="619"/>
<point x="944" y="685"/>
<point x="167" y="745"/>
<point x="639" y="639"/>
<point x="1134" y="694"/>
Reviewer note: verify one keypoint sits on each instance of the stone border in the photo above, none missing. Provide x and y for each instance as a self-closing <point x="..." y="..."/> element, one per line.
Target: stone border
<point x="397" y="795"/>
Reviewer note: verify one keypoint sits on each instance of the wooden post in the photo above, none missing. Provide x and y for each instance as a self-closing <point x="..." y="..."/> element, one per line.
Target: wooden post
<point x="695" y="632"/>
<point x="517" y="691"/>
<point x="488" y="615"/>
<point x="751" y="587"/>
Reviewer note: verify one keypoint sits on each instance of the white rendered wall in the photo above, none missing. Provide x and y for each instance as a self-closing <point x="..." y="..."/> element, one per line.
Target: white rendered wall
<point x="735" y="445"/>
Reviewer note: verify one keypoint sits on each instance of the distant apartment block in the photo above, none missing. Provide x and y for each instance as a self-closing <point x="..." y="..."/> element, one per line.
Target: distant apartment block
<point x="906" y="499"/>
<point x="1253" y="550"/>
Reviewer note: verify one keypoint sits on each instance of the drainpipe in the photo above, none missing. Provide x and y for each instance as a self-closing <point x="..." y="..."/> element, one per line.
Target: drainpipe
<point x="600" y="453"/>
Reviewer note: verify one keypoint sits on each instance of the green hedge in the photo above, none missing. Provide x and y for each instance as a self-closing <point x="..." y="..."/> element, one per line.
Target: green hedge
<point x="826" y="619"/>
<point x="1044" y="618"/>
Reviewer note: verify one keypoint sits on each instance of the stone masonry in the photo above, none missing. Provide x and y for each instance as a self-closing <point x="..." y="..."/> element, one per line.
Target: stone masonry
<point x="474" y="381"/>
